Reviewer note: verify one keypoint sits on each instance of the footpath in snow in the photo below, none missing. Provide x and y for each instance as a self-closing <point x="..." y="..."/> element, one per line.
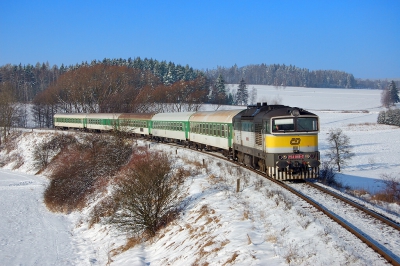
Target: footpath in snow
<point x="29" y="233"/>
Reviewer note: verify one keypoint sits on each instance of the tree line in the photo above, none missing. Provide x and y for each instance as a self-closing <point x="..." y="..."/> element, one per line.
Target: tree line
<point x="283" y="75"/>
<point x="138" y="85"/>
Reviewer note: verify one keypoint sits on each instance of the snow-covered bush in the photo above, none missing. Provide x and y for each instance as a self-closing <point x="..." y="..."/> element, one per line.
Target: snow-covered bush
<point x="389" y="117"/>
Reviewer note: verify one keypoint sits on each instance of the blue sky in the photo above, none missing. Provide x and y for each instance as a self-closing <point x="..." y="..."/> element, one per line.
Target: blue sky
<point x="361" y="37"/>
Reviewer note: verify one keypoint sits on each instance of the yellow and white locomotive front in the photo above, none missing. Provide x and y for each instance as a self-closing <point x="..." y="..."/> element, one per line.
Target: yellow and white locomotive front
<point x="279" y="140"/>
<point x="292" y="137"/>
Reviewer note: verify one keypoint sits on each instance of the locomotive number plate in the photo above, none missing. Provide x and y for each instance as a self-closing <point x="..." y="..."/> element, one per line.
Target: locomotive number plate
<point x="296" y="156"/>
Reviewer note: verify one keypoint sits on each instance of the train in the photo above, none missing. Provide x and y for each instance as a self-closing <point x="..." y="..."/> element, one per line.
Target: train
<point x="278" y="140"/>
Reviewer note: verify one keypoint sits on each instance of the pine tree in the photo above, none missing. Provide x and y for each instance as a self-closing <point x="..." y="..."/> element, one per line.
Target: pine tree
<point x="394" y="93"/>
<point x="218" y="92"/>
<point x="170" y="77"/>
<point x="242" y="93"/>
<point x="220" y="85"/>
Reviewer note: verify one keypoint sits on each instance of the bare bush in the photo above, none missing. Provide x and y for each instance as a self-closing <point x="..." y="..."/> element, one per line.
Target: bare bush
<point x="46" y="150"/>
<point x="327" y="174"/>
<point x="292" y="253"/>
<point x="391" y="191"/>
<point x="147" y="194"/>
<point x="11" y="143"/>
<point x="78" y="170"/>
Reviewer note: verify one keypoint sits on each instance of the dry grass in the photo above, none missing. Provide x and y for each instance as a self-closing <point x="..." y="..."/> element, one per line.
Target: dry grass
<point x="204" y="211"/>
<point x="246" y="214"/>
<point x="105" y="208"/>
<point x="359" y="192"/>
<point x="231" y="259"/>
<point x="292" y="254"/>
<point x="130" y="243"/>
<point x="182" y="173"/>
<point x="361" y="124"/>
<point x="389" y="194"/>
<point x="272" y="238"/>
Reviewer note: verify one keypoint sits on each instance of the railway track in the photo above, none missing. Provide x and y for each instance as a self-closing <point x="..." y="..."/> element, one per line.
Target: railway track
<point x="378" y="232"/>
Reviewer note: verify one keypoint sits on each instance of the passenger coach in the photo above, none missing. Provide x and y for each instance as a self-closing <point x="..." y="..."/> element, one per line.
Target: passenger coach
<point x="171" y="126"/>
<point x="212" y="130"/>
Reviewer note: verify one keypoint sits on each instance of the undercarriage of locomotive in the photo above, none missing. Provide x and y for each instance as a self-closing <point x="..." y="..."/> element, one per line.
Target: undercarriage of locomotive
<point x="282" y="168"/>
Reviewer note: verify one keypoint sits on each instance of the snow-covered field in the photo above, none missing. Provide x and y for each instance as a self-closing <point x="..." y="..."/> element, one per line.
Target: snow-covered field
<point x="261" y="225"/>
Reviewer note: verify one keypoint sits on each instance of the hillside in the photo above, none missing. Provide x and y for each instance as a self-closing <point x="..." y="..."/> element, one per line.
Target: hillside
<point x="260" y="225"/>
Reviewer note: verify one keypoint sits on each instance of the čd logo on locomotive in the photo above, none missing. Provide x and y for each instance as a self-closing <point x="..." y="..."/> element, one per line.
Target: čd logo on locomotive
<point x="295" y="141"/>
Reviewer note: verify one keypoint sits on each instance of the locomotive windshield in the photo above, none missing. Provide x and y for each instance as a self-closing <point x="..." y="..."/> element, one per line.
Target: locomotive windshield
<point x="307" y="124"/>
<point x="299" y="124"/>
<point x="283" y="124"/>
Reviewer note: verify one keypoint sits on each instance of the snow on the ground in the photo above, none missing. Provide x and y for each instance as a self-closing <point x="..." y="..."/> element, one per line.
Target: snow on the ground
<point x="29" y="233"/>
<point x="261" y="225"/>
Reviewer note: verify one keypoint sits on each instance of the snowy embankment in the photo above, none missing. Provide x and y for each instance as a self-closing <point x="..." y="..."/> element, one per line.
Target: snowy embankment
<point x="261" y="225"/>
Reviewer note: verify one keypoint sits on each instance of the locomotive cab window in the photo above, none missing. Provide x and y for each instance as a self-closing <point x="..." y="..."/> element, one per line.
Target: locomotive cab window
<point x="307" y="124"/>
<point x="284" y="124"/>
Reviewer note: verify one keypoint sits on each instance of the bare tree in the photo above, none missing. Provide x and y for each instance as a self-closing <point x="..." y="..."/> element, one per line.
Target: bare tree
<point x="8" y="110"/>
<point x="385" y="98"/>
<point x="340" y="150"/>
<point x="147" y="194"/>
<point x="253" y="95"/>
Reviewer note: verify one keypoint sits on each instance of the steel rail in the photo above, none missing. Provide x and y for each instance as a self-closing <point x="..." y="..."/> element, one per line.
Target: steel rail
<point x="376" y="215"/>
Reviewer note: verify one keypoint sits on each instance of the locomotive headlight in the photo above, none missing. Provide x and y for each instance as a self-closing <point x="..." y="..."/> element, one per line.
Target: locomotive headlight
<point x="295" y="112"/>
